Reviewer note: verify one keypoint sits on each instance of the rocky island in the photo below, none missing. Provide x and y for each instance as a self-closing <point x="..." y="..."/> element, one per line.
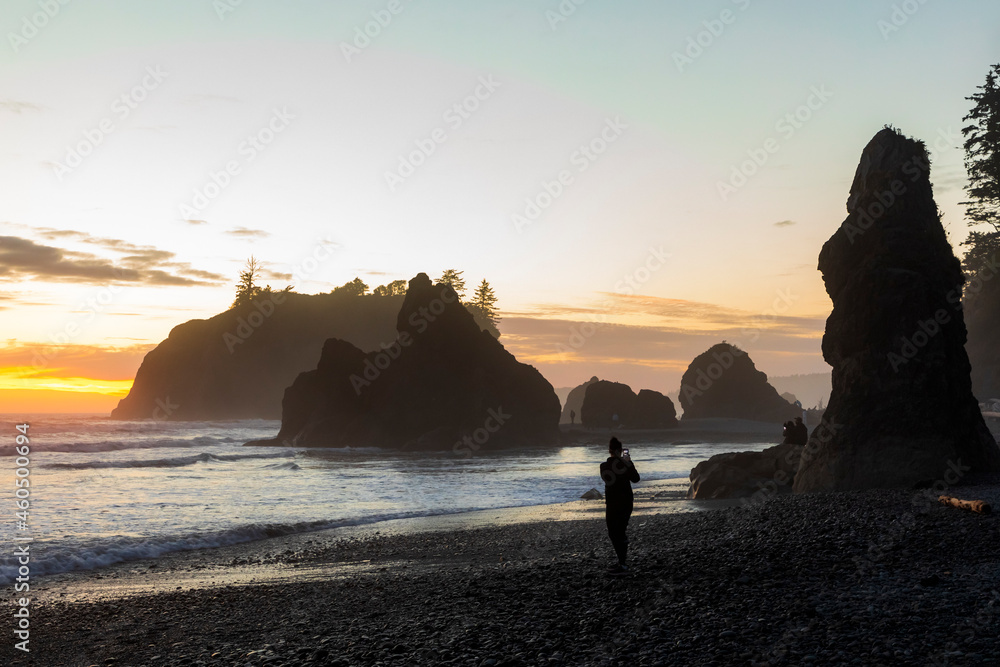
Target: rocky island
<point x="237" y="364"/>
<point x="724" y="382"/>
<point x="613" y="404"/>
<point x="442" y="384"/>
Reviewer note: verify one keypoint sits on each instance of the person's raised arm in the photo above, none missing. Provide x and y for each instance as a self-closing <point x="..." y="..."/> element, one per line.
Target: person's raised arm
<point x="633" y="474"/>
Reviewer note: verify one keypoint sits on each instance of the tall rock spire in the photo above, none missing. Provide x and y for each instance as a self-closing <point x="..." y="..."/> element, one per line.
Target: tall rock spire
<point x="902" y="411"/>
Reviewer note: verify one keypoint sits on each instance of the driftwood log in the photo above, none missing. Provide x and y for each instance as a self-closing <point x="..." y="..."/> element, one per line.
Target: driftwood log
<point x="977" y="506"/>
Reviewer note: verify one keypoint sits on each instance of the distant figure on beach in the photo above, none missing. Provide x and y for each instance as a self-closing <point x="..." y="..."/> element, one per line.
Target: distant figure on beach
<point x="618" y="473"/>
<point x="572" y="416"/>
<point x="800" y="432"/>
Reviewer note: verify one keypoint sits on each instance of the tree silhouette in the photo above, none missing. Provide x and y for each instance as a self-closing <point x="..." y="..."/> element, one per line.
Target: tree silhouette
<point x="982" y="153"/>
<point x="454" y="278"/>
<point x="356" y="287"/>
<point x="395" y="288"/>
<point x="247" y="289"/>
<point x="982" y="162"/>
<point x="485" y="301"/>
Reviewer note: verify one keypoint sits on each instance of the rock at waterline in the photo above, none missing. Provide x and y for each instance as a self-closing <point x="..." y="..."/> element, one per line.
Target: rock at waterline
<point x="745" y="474"/>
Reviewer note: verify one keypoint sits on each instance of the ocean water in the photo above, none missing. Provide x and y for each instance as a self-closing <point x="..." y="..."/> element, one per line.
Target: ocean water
<point x="105" y="491"/>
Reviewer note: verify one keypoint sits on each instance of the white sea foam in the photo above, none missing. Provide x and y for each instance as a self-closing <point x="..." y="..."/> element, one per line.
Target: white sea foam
<point x="61" y="558"/>
<point x="176" y="462"/>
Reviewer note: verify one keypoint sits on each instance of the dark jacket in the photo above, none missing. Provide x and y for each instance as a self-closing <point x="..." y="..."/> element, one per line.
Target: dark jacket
<point x="617" y="476"/>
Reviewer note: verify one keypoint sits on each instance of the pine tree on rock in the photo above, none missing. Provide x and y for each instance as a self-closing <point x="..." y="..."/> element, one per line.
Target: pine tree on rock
<point x="454" y="278"/>
<point x="247" y="289"/>
<point x="982" y="153"/>
<point x="485" y="300"/>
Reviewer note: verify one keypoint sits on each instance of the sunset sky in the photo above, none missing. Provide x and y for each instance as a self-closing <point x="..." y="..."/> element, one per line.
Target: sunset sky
<point x="150" y="147"/>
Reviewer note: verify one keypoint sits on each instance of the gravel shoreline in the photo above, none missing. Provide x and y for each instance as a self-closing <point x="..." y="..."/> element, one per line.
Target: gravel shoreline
<point x="875" y="577"/>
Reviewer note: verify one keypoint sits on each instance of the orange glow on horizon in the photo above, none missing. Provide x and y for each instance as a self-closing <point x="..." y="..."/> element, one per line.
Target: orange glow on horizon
<point x="21" y="378"/>
<point x="21" y="402"/>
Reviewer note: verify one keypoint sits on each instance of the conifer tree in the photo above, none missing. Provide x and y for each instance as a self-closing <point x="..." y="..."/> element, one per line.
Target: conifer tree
<point x="454" y="278"/>
<point x="485" y="300"/>
<point x="247" y="289"/>
<point x="982" y="162"/>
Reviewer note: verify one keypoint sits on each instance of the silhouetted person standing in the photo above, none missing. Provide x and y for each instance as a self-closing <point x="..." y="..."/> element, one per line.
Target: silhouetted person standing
<point x="618" y="473"/>
<point x="572" y="416"/>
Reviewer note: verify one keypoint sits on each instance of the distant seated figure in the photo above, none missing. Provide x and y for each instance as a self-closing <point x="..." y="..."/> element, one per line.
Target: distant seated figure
<point x="800" y="432"/>
<point x="787" y="431"/>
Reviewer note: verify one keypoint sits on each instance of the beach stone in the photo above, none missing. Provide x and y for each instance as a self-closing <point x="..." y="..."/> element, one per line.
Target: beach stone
<point x="593" y="494"/>
<point x="723" y="382"/>
<point x="901" y="412"/>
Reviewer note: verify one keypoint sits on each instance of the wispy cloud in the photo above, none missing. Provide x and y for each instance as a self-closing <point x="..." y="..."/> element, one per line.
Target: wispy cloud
<point x="784" y="223"/>
<point x="248" y="234"/>
<point x="22" y="259"/>
<point x="268" y="274"/>
<point x="678" y="315"/>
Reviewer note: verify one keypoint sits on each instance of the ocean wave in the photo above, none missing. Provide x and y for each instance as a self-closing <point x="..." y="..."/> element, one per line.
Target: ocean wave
<point x="287" y="465"/>
<point x="93" y="447"/>
<point x="59" y="558"/>
<point x="176" y="462"/>
<point x="65" y="556"/>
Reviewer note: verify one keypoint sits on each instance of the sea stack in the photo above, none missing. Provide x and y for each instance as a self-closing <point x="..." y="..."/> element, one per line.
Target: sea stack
<point x="574" y="401"/>
<point x="444" y="384"/>
<point x="237" y="364"/>
<point x="723" y="382"/>
<point x="901" y="413"/>
<point x="613" y="404"/>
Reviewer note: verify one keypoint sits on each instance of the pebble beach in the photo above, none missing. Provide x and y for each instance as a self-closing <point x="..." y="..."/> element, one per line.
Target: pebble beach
<point x="886" y="577"/>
